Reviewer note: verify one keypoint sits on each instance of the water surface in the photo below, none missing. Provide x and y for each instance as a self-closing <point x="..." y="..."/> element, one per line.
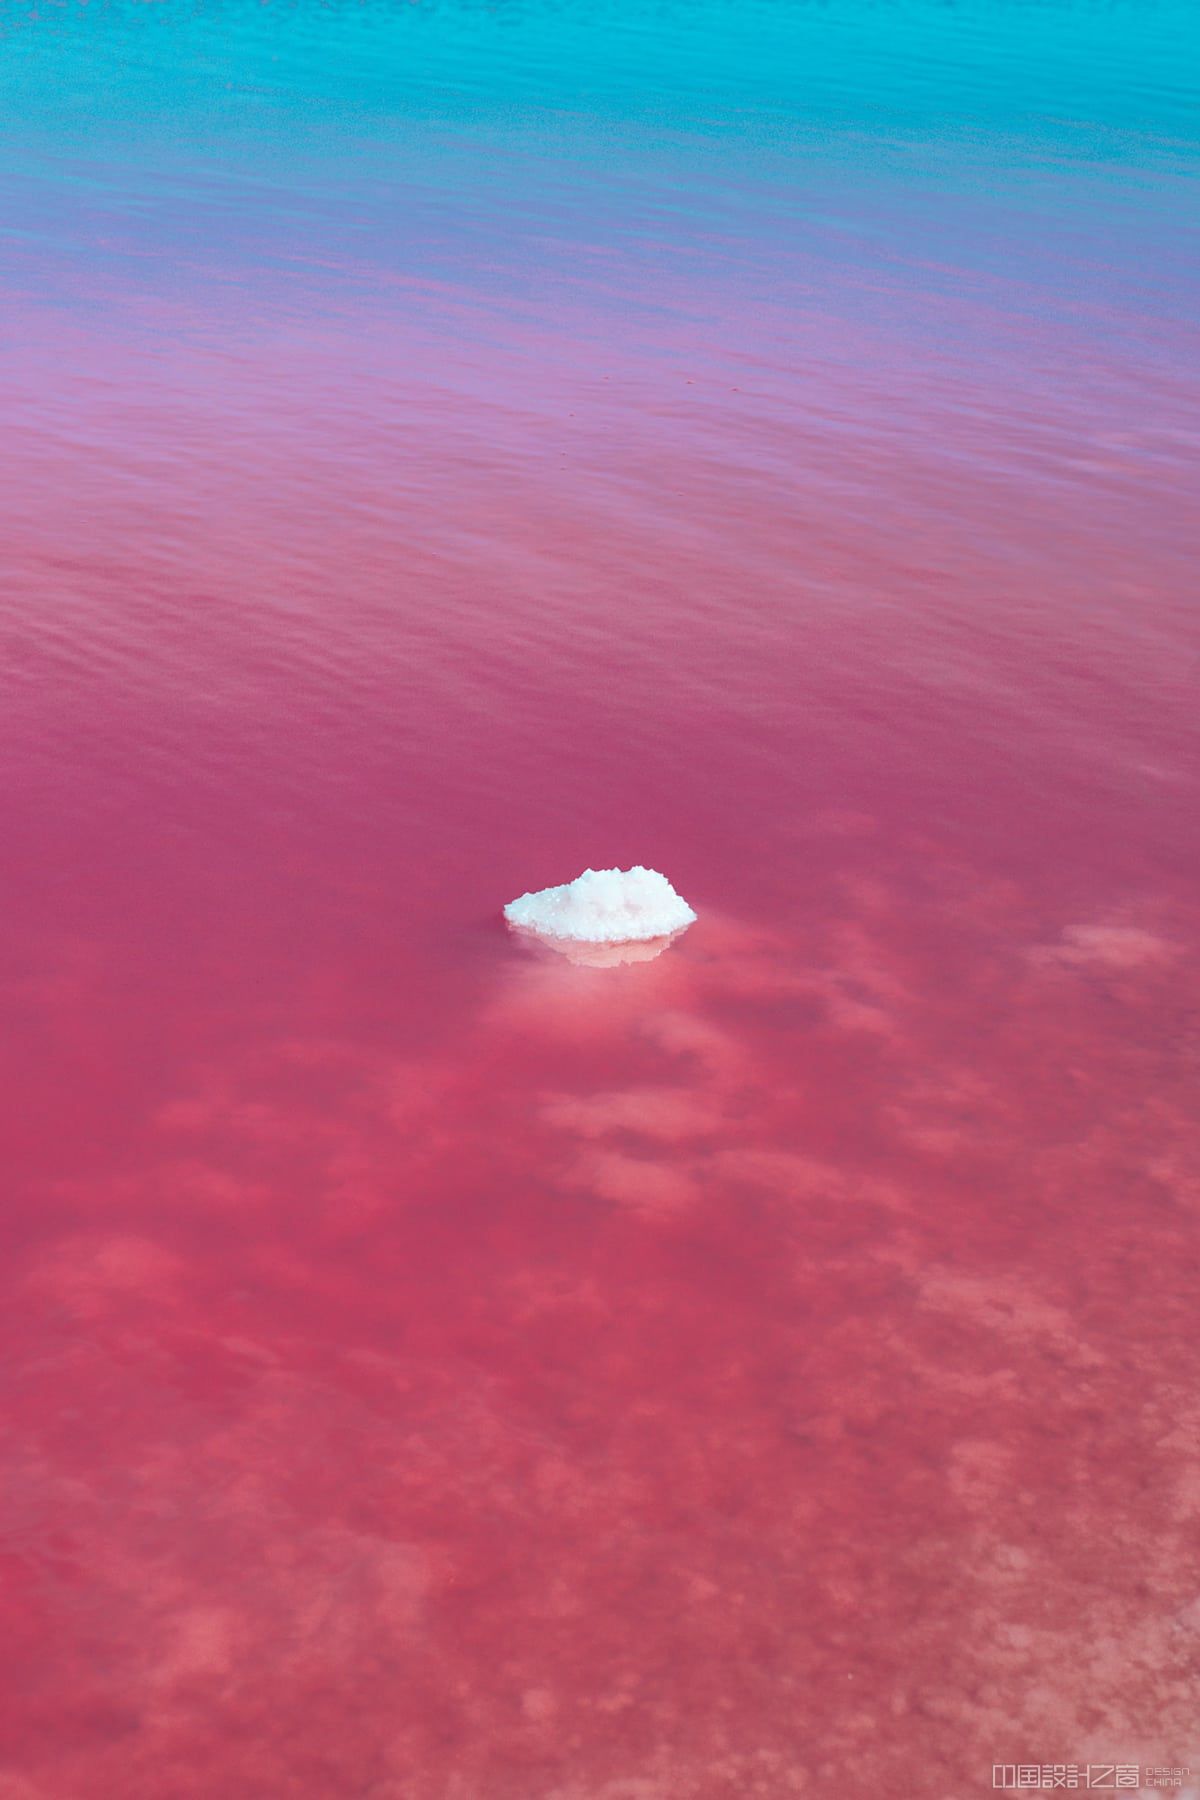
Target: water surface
<point x="448" y="446"/>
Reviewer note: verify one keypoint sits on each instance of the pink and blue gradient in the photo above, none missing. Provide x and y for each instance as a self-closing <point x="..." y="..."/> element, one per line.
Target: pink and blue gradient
<point x="447" y="446"/>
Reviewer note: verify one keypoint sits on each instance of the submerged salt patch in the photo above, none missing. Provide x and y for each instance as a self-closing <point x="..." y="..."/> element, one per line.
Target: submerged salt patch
<point x="604" y="906"/>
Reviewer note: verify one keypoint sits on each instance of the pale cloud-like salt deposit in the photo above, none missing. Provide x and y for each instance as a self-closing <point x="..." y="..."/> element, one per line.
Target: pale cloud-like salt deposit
<point x="604" y="906"/>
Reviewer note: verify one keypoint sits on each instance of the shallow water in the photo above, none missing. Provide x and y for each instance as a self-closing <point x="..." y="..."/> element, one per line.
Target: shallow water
<point x="446" y="447"/>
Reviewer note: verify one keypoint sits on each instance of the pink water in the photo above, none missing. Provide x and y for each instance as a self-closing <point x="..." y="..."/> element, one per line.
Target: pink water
<point x="435" y="1371"/>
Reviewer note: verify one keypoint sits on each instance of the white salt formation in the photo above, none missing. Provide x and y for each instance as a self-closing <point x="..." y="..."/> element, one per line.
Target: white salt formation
<point x="604" y="906"/>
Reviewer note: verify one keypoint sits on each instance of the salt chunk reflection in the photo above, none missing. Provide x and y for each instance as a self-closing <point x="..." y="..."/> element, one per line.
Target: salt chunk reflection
<point x="595" y="956"/>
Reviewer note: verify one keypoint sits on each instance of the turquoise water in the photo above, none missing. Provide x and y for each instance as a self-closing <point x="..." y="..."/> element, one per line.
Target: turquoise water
<point x="266" y="135"/>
